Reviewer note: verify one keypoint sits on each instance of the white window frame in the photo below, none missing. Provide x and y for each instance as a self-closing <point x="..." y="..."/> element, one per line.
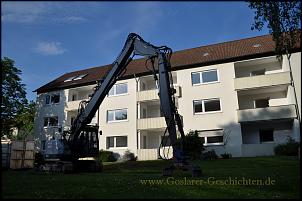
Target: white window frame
<point x="112" y="121"/>
<point x="203" y="106"/>
<point x="114" y="142"/>
<point x="114" y="90"/>
<point x="215" y="143"/>
<point x="200" y="77"/>
<point x="50" y="98"/>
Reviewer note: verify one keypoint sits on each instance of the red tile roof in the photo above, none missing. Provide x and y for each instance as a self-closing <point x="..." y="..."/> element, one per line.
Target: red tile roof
<point x="217" y="53"/>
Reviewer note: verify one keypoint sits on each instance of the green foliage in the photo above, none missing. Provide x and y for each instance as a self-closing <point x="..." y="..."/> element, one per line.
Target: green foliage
<point x="129" y="156"/>
<point x="283" y="19"/>
<point x="13" y="95"/>
<point x="226" y="155"/>
<point x="209" y="155"/>
<point x="24" y="121"/>
<point x="107" y="156"/>
<point x="290" y="148"/>
<point x="193" y="145"/>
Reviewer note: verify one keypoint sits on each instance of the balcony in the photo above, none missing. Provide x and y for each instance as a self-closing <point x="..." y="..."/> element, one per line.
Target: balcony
<point x="151" y="123"/>
<point x="72" y="105"/>
<point x="268" y="113"/>
<point x="245" y="83"/>
<point x="153" y="94"/>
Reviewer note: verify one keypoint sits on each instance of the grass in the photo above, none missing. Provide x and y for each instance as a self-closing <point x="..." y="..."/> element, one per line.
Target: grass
<point x="123" y="180"/>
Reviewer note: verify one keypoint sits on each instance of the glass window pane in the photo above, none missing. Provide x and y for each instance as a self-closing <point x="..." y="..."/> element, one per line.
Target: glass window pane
<point x="209" y="76"/>
<point x="121" y="141"/>
<point x="110" y="142"/>
<point x="215" y="139"/>
<point x="55" y="98"/>
<point x="195" y="78"/>
<point x="120" y="114"/>
<point x="53" y="121"/>
<point x="266" y="135"/>
<point x="121" y="88"/>
<point x="212" y="105"/>
<point x="46" y="121"/>
<point x="110" y="116"/>
<point x="261" y="103"/>
<point x="197" y="106"/>
<point x="47" y="101"/>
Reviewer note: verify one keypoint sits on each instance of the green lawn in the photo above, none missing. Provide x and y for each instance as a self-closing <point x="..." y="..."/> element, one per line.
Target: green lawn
<point x="123" y="180"/>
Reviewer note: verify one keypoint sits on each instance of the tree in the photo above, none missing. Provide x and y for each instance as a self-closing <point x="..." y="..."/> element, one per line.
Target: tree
<point x="283" y="20"/>
<point x="13" y="95"/>
<point x="24" y="121"/>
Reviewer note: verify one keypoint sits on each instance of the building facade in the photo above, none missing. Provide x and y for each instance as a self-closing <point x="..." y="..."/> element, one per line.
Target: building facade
<point x="242" y="103"/>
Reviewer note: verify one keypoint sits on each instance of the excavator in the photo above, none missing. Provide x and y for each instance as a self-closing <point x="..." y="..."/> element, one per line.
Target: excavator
<point x="81" y="141"/>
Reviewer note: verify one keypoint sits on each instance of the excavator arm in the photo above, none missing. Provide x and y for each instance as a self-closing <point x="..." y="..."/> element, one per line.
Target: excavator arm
<point x="135" y="45"/>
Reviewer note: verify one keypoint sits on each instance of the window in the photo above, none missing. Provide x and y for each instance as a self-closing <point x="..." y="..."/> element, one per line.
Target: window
<point x="207" y="105"/>
<point x="261" y="103"/>
<point x="258" y="72"/>
<point x="54" y="98"/>
<point x="47" y="99"/>
<point x="71" y="120"/>
<point x="144" y="142"/>
<point x="77" y="77"/>
<point x="266" y="135"/>
<point x="121" y="141"/>
<point x="212" y="137"/>
<point x="117" y="141"/>
<point x="50" y="121"/>
<point x="116" y="115"/>
<point x="74" y="97"/>
<point x="215" y="139"/>
<point x="118" y="89"/>
<point x="209" y="76"/>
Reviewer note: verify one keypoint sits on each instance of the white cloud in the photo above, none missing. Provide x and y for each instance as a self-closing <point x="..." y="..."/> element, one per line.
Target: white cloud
<point x="42" y="12"/>
<point x="49" y="48"/>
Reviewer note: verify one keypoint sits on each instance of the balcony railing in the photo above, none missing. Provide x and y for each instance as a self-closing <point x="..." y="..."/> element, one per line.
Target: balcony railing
<point x="259" y="81"/>
<point x="268" y="113"/>
<point x="153" y="94"/>
<point x="151" y="123"/>
<point x="73" y="105"/>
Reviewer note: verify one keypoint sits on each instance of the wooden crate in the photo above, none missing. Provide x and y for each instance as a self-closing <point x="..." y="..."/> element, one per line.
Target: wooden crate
<point x="22" y="154"/>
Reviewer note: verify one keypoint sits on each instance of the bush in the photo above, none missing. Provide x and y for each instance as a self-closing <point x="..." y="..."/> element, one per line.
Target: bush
<point x="107" y="156"/>
<point x="129" y="156"/>
<point x="226" y="155"/>
<point x="193" y="145"/>
<point x="290" y="148"/>
<point x="209" y="155"/>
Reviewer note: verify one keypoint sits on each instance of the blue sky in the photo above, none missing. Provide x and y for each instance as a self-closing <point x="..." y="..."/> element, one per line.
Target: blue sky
<point x="47" y="39"/>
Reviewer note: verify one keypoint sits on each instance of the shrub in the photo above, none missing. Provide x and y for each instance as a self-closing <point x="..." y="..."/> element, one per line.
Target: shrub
<point x="209" y="155"/>
<point x="226" y="155"/>
<point x="290" y="148"/>
<point x="193" y="145"/>
<point x="107" y="156"/>
<point x="129" y="156"/>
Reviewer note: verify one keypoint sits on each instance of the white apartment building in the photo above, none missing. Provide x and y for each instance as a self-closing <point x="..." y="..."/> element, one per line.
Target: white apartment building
<point x="236" y="94"/>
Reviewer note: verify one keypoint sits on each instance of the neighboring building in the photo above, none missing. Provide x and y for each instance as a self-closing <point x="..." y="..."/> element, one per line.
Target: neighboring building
<point x="237" y="94"/>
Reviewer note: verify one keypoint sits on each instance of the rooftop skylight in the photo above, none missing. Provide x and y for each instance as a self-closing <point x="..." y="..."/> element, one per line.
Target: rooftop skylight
<point x="257" y="45"/>
<point x="78" y="77"/>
